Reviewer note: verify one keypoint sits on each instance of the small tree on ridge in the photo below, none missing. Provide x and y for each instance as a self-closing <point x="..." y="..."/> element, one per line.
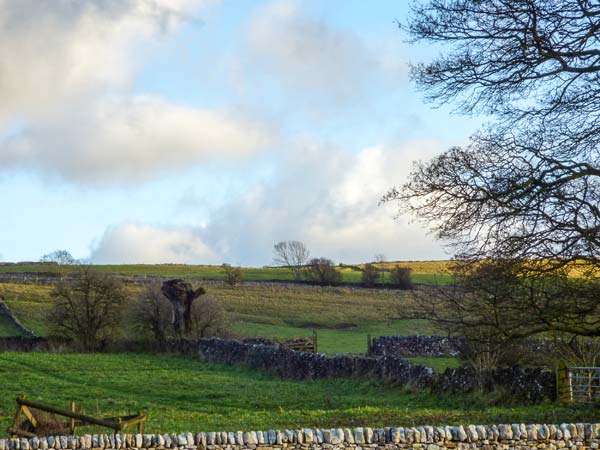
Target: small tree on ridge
<point x="291" y="254"/>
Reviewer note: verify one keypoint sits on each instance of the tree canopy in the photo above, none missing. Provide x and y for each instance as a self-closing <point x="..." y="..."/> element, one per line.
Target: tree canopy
<point x="527" y="185"/>
<point x="520" y="202"/>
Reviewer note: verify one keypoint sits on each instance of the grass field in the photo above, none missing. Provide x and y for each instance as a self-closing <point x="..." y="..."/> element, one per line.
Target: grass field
<point x="188" y="395"/>
<point x="7" y="328"/>
<point x="342" y="317"/>
<point x="427" y="272"/>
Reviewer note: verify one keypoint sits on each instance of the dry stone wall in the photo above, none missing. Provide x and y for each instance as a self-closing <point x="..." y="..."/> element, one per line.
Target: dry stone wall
<point x="435" y="345"/>
<point x="580" y="436"/>
<point x="524" y="383"/>
<point x="530" y="384"/>
<point x="417" y="345"/>
<point x="6" y="312"/>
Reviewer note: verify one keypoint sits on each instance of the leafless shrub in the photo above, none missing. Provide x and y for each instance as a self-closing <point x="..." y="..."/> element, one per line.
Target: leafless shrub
<point x="400" y="277"/>
<point x="232" y="275"/>
<point x="88" y="310"/>
<point x="208" y="318"/>
<point x="152" y="314"/>
<point x="370" y="275"/>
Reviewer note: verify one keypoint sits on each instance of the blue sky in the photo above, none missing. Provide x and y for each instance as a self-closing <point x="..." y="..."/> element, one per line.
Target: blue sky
<point x="204" y="131"/>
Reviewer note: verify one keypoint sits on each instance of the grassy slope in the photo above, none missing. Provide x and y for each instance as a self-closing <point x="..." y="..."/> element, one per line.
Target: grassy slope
<point x="188" y="395"/>
<point x="7" y="328"/>
<point x="429" y="272"/>
<point x="342" y="317"/>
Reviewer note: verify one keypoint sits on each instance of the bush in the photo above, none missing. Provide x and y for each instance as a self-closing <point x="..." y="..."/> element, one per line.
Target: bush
<point x="208" y="319"/>
<point x="370" y="275"/>
<point x="322" y="271"/>
<point x="232" y="275"/>
<point x="400" y="277"/>
<point x="89" y="310"/>
<point x="153" y="317"/>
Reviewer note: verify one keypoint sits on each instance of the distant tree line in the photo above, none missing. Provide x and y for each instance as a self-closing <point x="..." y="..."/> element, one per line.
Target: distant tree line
<point x="295" y="256"/>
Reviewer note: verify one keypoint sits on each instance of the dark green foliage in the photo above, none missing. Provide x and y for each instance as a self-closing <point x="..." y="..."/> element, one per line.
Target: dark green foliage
<point x="232" y="275"/>
<point x="323" y="271"/>
<point x="371" y="275"/>
<point x="400" y="277"/>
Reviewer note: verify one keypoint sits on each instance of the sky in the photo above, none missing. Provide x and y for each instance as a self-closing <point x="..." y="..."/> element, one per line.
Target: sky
<point x="205" y="131"/>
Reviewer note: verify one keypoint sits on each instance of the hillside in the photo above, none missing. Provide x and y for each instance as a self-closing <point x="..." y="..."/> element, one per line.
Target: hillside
<point x="428" y="272"/>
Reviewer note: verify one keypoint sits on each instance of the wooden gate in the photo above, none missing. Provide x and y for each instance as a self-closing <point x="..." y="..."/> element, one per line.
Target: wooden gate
<point x="29" y="423"/>
<point x="302" y="344"/>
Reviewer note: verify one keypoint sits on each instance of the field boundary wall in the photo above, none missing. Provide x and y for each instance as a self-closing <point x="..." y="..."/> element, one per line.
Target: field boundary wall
<point x="580" y="436"/>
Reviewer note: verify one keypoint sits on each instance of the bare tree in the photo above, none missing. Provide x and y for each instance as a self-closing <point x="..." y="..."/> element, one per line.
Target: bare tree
<point x="528" y="185"/>
<point x="291" y="254"/>
<point x="371" y="275"/>
<point x="89" y="309"/>
<point x="208" y="318"/>
<point x="492" y="304"/>
<point x="379" y="258"/>
<point x="153" y="314"/>
<point x="520" y="202"/>
<point x="521" y="60"/>
<point x="401" y="277"/>
<point x="62" y="257"/>
<point x="181" y="294"/>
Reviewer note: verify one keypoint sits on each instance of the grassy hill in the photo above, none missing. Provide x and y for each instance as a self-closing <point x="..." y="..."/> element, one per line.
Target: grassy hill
<point x="342" y="317"/>
<point x="429" y="272"/>
<point x="8" y="328"/>
<point x="183" y="394"/>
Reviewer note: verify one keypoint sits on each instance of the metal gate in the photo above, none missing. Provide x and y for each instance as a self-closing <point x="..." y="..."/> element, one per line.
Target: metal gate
<point x="578" y="384"/>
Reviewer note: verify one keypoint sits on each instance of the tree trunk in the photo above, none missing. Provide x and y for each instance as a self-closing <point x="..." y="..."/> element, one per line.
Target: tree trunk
<point x="181" y="295"/>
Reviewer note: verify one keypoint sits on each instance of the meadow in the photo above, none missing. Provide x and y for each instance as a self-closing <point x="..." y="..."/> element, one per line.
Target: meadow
<point x="183" y="394"/>
<point x="425" y="272"/>
<point x="342" y="317"/>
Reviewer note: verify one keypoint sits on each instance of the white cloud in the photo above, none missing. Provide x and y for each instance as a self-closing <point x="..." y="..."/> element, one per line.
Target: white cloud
<point x="132" y="243"/>
<point x="328" y="199"/>
<point x="65" y="73"/>
<point x="54" y="52"/>
<point x="308" y="54"/>
<point x="130" y="139"/>
<point x="323" y="196"/>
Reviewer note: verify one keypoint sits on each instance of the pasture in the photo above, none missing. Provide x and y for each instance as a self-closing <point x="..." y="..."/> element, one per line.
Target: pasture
<point x="182" y="394"/>
<point x="342" y="317"/>
<point x="426" y="272"/>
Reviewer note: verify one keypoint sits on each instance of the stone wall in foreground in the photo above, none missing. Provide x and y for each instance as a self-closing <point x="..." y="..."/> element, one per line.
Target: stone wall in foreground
<point x="579" y="436"/>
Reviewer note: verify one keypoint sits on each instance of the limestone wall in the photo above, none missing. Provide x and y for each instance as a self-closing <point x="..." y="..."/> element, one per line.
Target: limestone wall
<point x="416" y="345"/>
<point x="530" y="384"/>
<point x="470" y="437"/>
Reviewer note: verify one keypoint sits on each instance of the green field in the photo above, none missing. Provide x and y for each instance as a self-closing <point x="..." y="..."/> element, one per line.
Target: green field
<point x="7" y="328"/>
<point x="182" y="394"/>
<point x="342" y="317"/>
<point x="427" y="272"/>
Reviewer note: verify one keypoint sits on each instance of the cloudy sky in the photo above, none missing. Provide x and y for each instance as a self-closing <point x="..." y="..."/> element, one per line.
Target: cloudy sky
<point x="204" y="131"/>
